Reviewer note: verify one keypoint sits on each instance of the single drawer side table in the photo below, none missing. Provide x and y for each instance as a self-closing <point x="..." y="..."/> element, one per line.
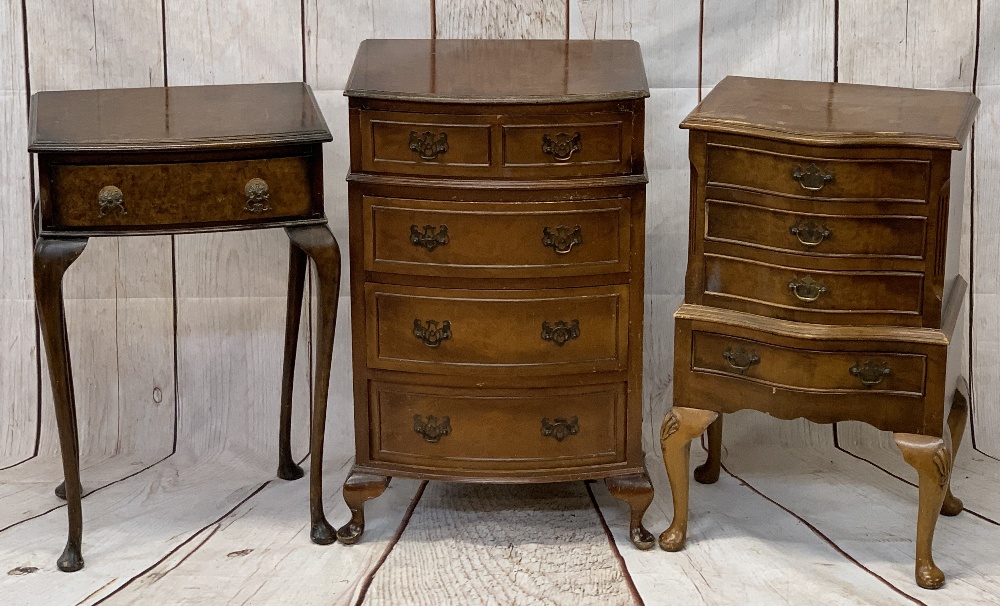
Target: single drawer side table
<point x="497" y="235"/>
<point x="180" y="160"/>
<point x="823" y="277"/>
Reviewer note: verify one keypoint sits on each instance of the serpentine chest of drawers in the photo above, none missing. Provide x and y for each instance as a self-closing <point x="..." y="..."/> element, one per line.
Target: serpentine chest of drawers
<point x="822" y="277"/>
<point x="497" y="206"/>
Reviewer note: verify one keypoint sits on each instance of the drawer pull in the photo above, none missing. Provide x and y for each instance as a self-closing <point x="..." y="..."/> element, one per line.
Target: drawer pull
<point x="560" y="428"/>
<point x="430" y="238"/>
<point x="810" y="233"/>
<point x="563" y="240"/>
<point x="563" y="147"/>
<point x="110" y="199"/>
<point x="561" y="332"/>
<point x="433" y="429"/>
<point x="431" y="335"/>
<point x="871" y="372"/>
<point x="258" y="194"/>
<point x="740" y="358"/>
<point x="428" y="145"/>
<point x="812" y="178"/>
<point x="806" y="290"/>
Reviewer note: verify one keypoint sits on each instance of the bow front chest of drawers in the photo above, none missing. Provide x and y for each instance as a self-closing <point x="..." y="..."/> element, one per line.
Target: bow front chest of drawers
<point x="497" y="212"/>
<point x="822" y="277"/>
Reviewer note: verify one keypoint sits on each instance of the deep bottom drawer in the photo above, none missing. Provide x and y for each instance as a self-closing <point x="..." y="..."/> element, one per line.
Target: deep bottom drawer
<point x="453" y="429"/>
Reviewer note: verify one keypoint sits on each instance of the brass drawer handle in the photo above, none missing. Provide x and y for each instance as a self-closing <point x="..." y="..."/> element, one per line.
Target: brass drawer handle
<point x="428" y="145"/>
<point x="430" y="238"/>
<point x="560" y="428"/>
<point x="110" y="199"/>
<point x="564" y="238"/>
<point x="812" y="178"/>
<point x="806" y="290"/>
<point x="740" y="358"/>
<point x="431" y="335"/>
<point x="258" y="194"/>
<point x="563" y="146"/>
<point x="871" y="372"/>
<point x="561" y="332"/>
<point x="433" y="429"/>
<point x="810" y="233"/>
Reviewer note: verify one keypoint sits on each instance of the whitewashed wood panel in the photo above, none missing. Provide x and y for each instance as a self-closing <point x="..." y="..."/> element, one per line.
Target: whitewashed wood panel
<point x="741" y="549"/>
<point x="333" y="32"/>
<point x="501" y="19"/>
<point x="872" y="516"/>
<point x="903" y="43"/>
<point x="19" y="403"/>
<point x="768" y="38"/>
<point x="271" y="533"/>
<point x="108" y="44"/>
<point x="667" y="30"/>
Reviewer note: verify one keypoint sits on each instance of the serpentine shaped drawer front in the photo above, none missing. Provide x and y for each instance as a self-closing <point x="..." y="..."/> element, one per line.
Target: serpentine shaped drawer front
<point x="478" y="429"/>
<point x="151" y="195"/>
<point x="496" y="331"/>
<point x="806" y="295"/>
<point x="826" y="235"/>
<point x="426" y="144"/>
<point x="487" y="239"/>
<point x="808" y="369"/>
<point x="570" y="145"/>
<point x="806" y="172"/>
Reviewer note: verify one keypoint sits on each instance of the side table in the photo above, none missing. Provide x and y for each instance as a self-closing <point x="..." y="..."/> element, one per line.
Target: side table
<point x="181" y="160"/>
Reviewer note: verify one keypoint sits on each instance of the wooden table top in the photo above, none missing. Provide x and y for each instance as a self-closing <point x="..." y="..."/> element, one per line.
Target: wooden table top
<point x="498" y="71"/>
<point x="175" y="117"/>
<point x="825" y="113"/>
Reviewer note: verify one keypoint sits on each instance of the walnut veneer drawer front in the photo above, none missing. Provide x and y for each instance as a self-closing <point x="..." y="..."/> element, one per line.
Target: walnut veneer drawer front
<point x="497" y="331"/>
<point x="806" y="369"/>
<point x="497" y="429"/>
<point x="426" y="144"/>
<point x="812" y="176"/>
<point x="476" y="239"/>
<point x="817" y="235"/>
<point x="162" y="194"/>
<point x="575" y="145"/>
<point x="797" y="294"/>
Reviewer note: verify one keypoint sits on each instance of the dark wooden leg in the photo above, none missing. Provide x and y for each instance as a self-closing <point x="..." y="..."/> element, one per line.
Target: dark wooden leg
<point x="956" y="427"/>
<point x="931" y="457"/>
<point x="708" y="472"/>
<point x="318" y="242"/>
<point x="52" y="258"/>
<point x="358" y="488"/>
<point x="680" y="426"/>
<point x="637" y="491"/>
<point x="297" y="261"/>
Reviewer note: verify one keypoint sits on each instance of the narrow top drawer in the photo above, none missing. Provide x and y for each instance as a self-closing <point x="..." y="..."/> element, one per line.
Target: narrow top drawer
<point x="547" y="142"/>
<point x="801" y="172"/>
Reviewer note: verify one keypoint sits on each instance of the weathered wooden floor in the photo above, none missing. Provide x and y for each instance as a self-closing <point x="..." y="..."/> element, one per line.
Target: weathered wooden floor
<point x="822" y="524"/>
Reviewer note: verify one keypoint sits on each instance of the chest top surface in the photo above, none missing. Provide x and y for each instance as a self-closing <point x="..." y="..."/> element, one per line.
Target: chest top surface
<point x="825" y="113"/>
<point x="498" y="71"/>
<point x="176" y="117"/>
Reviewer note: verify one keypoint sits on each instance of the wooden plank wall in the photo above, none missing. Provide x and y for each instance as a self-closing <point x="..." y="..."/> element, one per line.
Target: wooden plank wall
<point x="177" y="340"/>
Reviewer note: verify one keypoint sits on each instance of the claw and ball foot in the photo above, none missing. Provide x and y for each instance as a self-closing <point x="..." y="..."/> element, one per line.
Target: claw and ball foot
<point x="708" y="472"/>
<point x="956" y="427"/>
<point x="680" y="426"/>
<point x="637" y="491"/>
<point x="359" y="488"/>
<point x="932" y="459"/>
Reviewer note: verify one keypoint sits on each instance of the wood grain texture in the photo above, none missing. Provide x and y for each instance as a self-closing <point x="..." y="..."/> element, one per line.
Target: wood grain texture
<point x="773" y="38"/>
<point x="900" y="43"/>
<point x="334" y="30"/>
<point x="516" y="544"/>
<point x="668" y="31"/>
<point x="501" y="19"/>
<point x="98" y="45"/>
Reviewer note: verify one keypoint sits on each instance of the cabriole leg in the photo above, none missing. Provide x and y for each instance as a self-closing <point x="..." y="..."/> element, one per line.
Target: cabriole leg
<point x="931" y="457"/>
<point x="297" y="262"/>
<point x="956" y="427"/>
<point x="680" y="426"/>
<point x="359" y="488"/>
<point x="637" y="491"/>
<point x="708" y="472"/>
